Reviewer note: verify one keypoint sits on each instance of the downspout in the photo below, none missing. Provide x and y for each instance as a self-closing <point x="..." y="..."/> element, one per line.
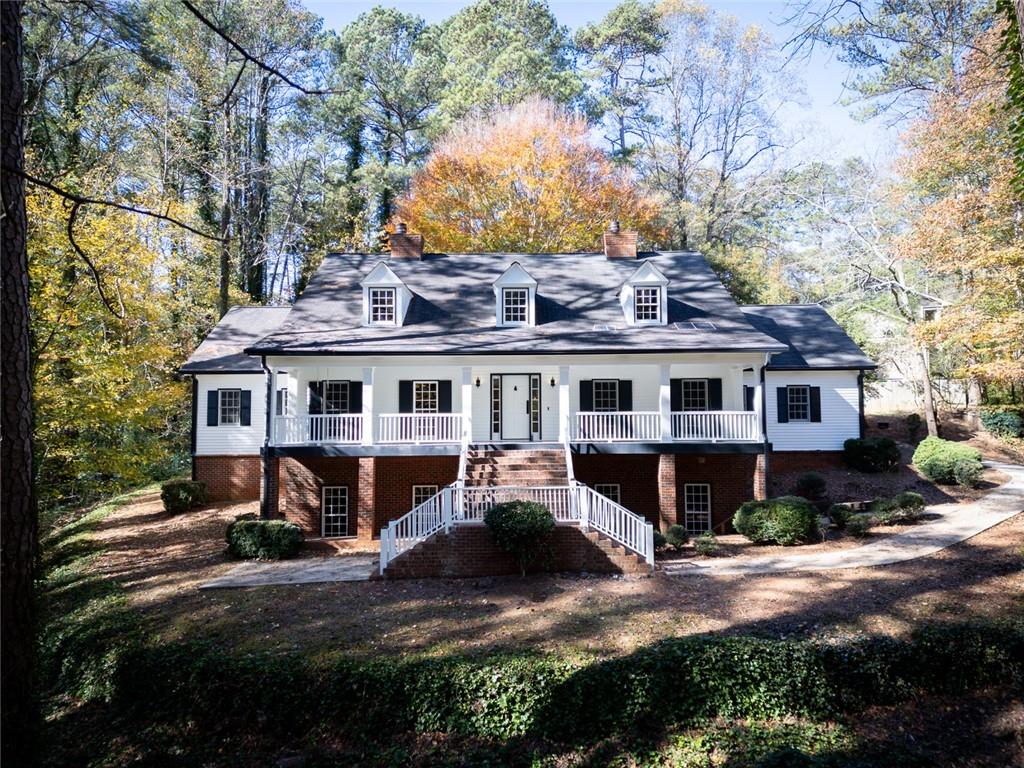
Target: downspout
<point x="764" y="420"/>
<point x="265" y="453"/>
<point x="195" y="417"/>
<point x="860" y="398"/>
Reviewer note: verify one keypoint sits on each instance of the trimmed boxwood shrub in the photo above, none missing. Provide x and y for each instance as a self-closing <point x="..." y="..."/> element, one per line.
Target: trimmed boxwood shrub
<point x="785" y="520"/>
<point x="860" y="524"/>
<point x="1003" y="423"/>
<point x="872" y="454"/>
<point x="810" y="485"/>
<point x="251" y="539"/>
<point x="676" y="536"/>
<point x="521" y="528"/>
<point x="906" y="507"/>
<point x="706" y="544"/>
<point x="839" y="514"/>
<point x="182" y="495"/>
<point x="944" y="461"/>
<point x="660" y="542"/>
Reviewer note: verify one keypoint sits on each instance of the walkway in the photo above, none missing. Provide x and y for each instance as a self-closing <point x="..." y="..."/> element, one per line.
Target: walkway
<point x="955" y="523"/>
<point x="306" y="570"/>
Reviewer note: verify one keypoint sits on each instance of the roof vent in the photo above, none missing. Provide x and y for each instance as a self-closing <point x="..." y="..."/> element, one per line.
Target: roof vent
<point x="605" y="327"/>
<point x="618" y="244"/>
<point x="404" y="245"/>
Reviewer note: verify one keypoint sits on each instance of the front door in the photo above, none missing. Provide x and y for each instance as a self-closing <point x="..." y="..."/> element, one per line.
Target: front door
<point x="515" y="407"/>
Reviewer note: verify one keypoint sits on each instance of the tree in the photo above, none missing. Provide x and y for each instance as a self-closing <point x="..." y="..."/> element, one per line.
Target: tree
<point x="526" y="178"/>
<point x="619" y="52"/>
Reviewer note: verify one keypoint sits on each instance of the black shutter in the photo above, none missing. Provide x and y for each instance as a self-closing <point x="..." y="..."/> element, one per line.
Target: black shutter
<point x="748" y="398"/>
<point x="714" y="394"/>
<point x="782" y="403"/>
<point x="279" y="403"/>
<point x="815" y="403"/>
<point x="212" y="403"/>
<point x="245" y="411"/>
<point x="444" y="396"/>
<point x="625" y="395"/>
<point x="355" y="397"/>
<point x="586" y="395"/>
<point x="676" y="389"/>
<point x="405" y="396"/>
<point x="316" y="397"/>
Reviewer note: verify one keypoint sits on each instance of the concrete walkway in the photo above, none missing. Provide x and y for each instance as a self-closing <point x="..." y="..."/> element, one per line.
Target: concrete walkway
<point x="956" y="523"/>
<point x="307" y="570"/>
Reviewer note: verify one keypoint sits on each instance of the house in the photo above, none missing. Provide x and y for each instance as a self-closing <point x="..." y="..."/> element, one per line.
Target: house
<point x="403" y="394"/>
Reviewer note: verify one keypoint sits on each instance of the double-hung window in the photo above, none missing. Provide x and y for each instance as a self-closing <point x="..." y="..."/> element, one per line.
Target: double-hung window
<point x="336" y="397"/>
<point x="334" y="511"/>
<point x="382" y="306"/>
<point x="695" y="394"/>
<point x="799" y="402"/>
<point x="515" y="309"/>
<point x="230" y="406"/>
<point x="424" y="397"/>
<point x="606" y="395"/>
<point x="421" y="493"/>
<point x="611" y="491"/>
<point x="697" y="507"/>
<point x="648" y="305"/>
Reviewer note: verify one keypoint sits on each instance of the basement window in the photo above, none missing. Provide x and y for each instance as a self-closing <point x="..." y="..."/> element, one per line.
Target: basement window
<point x="697" y="507"/>
<point x="422" y="493"/>
<point x="334" y="512"/>
<point x="611" y="491"/>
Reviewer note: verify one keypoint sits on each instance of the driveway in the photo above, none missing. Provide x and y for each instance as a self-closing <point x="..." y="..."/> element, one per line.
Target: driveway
<point x="308" y="570"/>
<point x="956" y="523"/>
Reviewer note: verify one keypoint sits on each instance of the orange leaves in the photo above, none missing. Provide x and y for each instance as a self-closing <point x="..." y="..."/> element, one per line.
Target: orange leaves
<point x="523" y="179"/>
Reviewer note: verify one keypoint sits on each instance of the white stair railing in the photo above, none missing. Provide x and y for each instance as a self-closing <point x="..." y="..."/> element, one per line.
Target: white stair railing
<point x="476" y="500"/>
<point x="616" y="522"/>
<point x="714" y="426"/>
<point x="418" y="524"/>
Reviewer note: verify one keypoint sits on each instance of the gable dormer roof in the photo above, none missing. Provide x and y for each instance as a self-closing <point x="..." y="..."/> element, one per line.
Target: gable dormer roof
<point x="648" y="274"/>
<point x="397" y="293"/>
<point x="515" y="276"/>
<point x="381" y="275"/>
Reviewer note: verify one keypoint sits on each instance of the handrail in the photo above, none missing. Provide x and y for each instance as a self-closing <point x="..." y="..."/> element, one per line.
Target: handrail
<point x="420" y="427"/>
<point x="416" y="525"/>
<point x="318" y="428"/>
<point x="716" y="425"/>
<point x="617" y="523"/>
<point x="612" y="426"/>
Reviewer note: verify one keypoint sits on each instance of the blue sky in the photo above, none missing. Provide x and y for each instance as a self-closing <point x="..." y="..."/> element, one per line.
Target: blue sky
<point x="820" y="126"/>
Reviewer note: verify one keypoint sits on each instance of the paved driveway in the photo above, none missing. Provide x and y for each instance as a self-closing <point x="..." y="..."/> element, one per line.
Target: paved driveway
<point x="956" y="522"/>
<point x="307" y="570"/>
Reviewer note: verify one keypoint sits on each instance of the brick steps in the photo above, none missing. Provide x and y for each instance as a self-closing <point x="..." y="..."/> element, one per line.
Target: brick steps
<point x="628" y="562"/>
<point x="515" y="468"/>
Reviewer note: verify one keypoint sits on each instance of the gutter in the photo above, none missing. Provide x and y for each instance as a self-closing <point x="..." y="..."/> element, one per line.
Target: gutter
<point x="194" y="425"/>
<point x="265" y="453"/>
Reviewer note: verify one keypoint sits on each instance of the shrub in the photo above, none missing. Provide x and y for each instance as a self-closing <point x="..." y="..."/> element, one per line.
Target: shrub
<point x="810" y="485"/>
<point x="660" y="542"/>
<point x="913" y="424"/>
<point x="1003" y="423"/>
<point x="706" y="544"/>
<point x="785" y="520"/>
<point x="521" y="528"/>
<point x="182" y="495"/>
<point x="252" y="539"/>
<point x="839" y="514"/>
<point x="872" y="454"/>
<point x="860" y="524"/>
<point x="944" y="461"/>
<point x="906" y="507"/>
<point x="676" y="536"/>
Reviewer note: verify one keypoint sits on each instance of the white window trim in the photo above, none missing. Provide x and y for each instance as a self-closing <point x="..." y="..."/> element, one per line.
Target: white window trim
<point x="370" y="291"/>
<point x="323" y="513"/>
<point x="618" y="491"/>
<point x="526" y="307"/>
<point x="433" y="492"/>
<point x="282" y="397"/>
<point x="707" y="397"/>
<point x="593" y="395"/>
<point x="789" y="407"/>
<point x="220" y="408"/>
<point x="348" y="396"/>
<point x="437" y="395"/>
<point x="687" y="511"/>
<point x="658" y="296"/>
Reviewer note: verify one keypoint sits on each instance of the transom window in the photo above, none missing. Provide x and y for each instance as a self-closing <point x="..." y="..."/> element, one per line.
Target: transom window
<point x="424" y="397"/>
<point x="230" y="406"/>
<point x="697" y="507"/>
<point x="648" y="304"/>
<point x="514" y="305"/>
<point x="606" y="395"/>
<point x="334" y="511"/>
<point x="336" y="397"/>
<point x="799" y="403"/>
<point x="421" y="493"/>
<point x="695" y="394"/>
<point x="611" y="491"/>
<point x="382" y="306"/>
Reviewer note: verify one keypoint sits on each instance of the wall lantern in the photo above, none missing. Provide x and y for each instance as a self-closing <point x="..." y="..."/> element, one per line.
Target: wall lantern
<point x="478" y="382"/>
<point x="552" y="382"/>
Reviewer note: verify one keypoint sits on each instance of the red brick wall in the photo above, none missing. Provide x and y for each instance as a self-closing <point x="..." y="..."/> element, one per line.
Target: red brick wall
<point x="396" y="475"/>
<point x="469" y="550"/>
<point x="301" y="481"/>
<point x="804" y="461"/>
<point x="636" y="474"/>
<point x="229" y="478"/>
<point x="731" y="477"/>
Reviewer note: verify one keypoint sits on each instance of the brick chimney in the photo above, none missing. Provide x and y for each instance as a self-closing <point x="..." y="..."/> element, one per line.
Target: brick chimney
<point x="404" y="245"/>
<point x="619" y="245"/>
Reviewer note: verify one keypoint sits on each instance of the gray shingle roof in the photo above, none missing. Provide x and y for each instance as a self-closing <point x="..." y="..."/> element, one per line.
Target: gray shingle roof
<point x="223" y="351"/>
<point x="453" y="309"/>
<point x="812" y="337"/>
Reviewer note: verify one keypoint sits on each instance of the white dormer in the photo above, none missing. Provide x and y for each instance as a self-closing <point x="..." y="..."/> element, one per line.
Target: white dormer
<point x="644" y="296"/>
<point x="386" y="298"/>
<point x="515" y="294"/>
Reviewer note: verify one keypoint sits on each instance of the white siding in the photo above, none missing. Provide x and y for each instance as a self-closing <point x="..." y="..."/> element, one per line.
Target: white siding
<point x="231" y="440"/>
<point x="840" y="415"/>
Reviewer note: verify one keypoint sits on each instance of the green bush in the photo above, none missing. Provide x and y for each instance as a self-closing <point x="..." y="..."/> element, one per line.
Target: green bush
<point x="944" y="461"/>
<point x="1003" y="423"/>
<point x="676" y="536"/>
<point x="706" y="544"/>
<point x="810" y="485"/>
<point x="182" y="495"/>
<point x="839" y="514"/>
<point x="872" y="454"/>
<point x="906" y="507"/>
<point x="251" y="539"/>
<point x="913" y="424"/>
<point x="521" y="528"/>
<point x="660" y="542"/>
<point x="860" y="524"/>
<point x="785" y="520"/>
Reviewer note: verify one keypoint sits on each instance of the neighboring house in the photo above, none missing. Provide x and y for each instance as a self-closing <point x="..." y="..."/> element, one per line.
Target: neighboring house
<point x="403" y="394"/>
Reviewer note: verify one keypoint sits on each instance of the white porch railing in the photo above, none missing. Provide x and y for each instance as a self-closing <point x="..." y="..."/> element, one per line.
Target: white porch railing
<point x="419" y="428"/>
<point x="611" y="426"/>
<point x="716" y="426"/>
<point x="575" y="503"/>
<point x="328" y="428"/>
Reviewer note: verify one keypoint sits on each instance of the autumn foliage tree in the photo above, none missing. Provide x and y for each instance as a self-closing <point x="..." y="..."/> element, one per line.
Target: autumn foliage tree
<point x="525" y="178"/>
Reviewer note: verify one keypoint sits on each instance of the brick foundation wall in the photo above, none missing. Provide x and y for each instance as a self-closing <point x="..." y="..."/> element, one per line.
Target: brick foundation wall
<point x="230" y="478"/>
<point x="300" y="485"/>
<point x="731" y="477"/>
<point x="469" y="550"/>
<point x="396" y="475"/>
<point x="636" y="474"/>
<point x="804" y="461"/>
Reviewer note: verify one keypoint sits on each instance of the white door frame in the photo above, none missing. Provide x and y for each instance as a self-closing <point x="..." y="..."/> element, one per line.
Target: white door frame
<point x="527" y="378"/>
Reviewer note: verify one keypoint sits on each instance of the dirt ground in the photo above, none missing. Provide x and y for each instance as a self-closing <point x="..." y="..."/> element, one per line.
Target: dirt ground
<point x="162" y="559"/>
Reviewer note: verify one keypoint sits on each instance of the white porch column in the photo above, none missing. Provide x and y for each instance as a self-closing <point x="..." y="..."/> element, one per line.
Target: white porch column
<point x="665" y="403"/>
<point x="564" y="416"/>
<point x="467" y="405"/>
<point x="368" y="406"/>
<point x="759" y="402"/>
<point x="272" y="409"/>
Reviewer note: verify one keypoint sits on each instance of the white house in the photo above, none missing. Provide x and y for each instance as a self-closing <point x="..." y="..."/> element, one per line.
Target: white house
<point x="403" y="393"/>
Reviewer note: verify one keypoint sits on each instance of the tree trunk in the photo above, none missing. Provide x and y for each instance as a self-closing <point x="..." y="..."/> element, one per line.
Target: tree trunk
<point x="225" y="212"/>
<point x="18" y="522"/>
<point x="925" y="377"/>
<point x="972" y="414"/>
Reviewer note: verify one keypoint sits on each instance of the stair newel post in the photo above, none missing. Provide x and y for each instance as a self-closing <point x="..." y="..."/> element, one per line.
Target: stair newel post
<point x="583" y="494"/>
<point x="446" y="509"/>
<point x="650" y="545"/>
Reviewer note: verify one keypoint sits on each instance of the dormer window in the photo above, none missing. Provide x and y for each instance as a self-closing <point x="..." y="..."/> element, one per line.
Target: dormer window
<point x="382" y="306"/>
<point x="515" y="293"/>
<point x="644" y="296"/>
<point x="648" y="305"/>
<point x="514" y="303"/>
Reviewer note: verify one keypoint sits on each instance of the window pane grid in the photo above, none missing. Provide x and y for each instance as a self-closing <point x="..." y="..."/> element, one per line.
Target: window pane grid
<point x="230" y="406"/>
<point x="799" y="403"/>
<point x="336" y="398"/>
<point x="611" y="491"/>
<point x="648" y="303"/>
<point x="335" y="511"/>
<point x="695" y="395"/>
<point x="697" y="507"/>
<point x="424" y="397"/>
<point x="606" y="395"/>
<point x="421" y="493"/>
<point x="514" y="301"/>
<point x="495" y="404"/>
<point x="382" y="305"/>
<point x="535" y="404"/>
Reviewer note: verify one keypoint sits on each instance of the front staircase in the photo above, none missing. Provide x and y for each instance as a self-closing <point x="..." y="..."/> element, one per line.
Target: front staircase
<point x="515" y="468"/>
